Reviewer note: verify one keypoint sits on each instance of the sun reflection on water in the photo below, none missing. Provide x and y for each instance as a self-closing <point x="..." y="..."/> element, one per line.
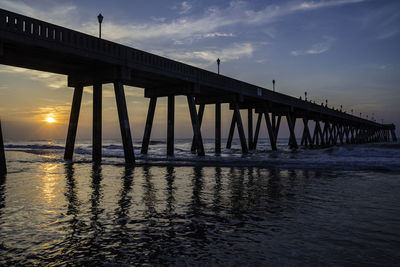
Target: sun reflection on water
<point x="49" y="179"/>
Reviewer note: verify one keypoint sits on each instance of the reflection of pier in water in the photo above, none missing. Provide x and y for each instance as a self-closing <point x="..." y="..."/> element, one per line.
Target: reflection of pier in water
<point x="171" y="216"/>
<point x="90" y="61"/>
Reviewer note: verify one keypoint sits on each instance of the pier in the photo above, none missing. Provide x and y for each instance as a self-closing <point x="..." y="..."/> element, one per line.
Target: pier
<point x="90" y="61"/>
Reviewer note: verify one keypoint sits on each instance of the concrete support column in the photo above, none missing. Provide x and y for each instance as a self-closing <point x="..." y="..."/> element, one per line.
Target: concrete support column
<point x="250" y="127"/>
<point x="218" y="128"/>
<point x="3" y="166"/>
<point x="149" y="125"/>
<point x="291" y="120"/>
<point x="257" y="132"/>
<point x="73" y="123"/>
<point x="240" y="128"/>
<point x="196" y="126"/>
<point x="271" y="133"/>
<point x="97" y="120"/>
<point x="124" y="123"/>
<point x="276" y="126"/>
<point x="171" y="125"/>
<point x="200" y="116"/>
<point x="231" y="132"/>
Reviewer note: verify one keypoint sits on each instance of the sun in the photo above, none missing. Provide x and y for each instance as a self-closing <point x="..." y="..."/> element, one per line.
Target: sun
<point x="50" y="119"/>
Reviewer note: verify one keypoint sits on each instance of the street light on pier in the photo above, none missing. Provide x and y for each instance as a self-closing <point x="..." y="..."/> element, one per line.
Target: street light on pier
<point x="100" y="19"/>
<point x="218" y="62"/>
<point x="305" y="96"/>
<point x="273" y="85"/>
<point x="326" y="103"/>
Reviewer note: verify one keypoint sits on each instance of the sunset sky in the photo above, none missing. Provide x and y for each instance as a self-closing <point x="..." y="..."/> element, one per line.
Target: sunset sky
<point x="346" y="51"/>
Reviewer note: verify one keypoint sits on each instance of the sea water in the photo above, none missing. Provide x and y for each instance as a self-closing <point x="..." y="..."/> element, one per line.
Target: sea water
<point x="334" y="206"/>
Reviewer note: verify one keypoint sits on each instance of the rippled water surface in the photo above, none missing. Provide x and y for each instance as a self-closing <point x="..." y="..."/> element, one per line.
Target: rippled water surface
<point x="54" y="213"/>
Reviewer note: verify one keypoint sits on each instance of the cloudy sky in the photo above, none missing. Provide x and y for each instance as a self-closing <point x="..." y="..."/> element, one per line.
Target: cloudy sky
<point x="346" y="51"/>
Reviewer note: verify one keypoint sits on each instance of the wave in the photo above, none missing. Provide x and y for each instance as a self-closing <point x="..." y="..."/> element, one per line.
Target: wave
<point x="33" y="146"/>
<point x="375" y="157"/>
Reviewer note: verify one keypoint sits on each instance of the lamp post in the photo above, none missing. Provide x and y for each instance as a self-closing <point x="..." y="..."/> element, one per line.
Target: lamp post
<point x="273" y="85"/>
<point x="326" y="103"/>
<point x="100" y="19"/>
<point x="305" y="96"/>
<point x="218" y="62"/>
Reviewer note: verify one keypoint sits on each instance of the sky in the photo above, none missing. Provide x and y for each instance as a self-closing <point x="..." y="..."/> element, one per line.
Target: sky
<point x="345" y="51"/>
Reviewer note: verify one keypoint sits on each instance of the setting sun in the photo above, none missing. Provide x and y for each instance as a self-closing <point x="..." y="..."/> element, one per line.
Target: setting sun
<point x="50" y="119"/>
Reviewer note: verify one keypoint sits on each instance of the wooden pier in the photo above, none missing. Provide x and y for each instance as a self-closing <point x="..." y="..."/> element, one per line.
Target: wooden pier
<point x="90" y="61"/>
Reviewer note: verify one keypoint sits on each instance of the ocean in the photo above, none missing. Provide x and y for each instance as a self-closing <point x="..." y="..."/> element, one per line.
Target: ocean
<point x="335" y="206"/>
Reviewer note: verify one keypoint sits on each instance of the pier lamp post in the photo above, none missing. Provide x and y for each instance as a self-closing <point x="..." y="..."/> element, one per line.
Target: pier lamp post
<point x="326" y="103"/>
<point x="100" y="19"/>
<point x="305" y="96"/>
<point x="273" y="85"/>
<point x="218" y="62"/>
<point x="360" y="114"/>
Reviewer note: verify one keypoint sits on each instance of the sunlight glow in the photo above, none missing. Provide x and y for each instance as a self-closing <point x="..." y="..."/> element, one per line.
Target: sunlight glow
<point x="50" y="119"/>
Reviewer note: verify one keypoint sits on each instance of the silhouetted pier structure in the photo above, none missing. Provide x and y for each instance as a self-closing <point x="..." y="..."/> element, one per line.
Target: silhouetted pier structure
<point x="90" y="61"/>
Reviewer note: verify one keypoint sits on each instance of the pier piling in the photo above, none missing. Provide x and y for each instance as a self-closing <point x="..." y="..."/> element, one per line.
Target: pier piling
<point x="200" y="115"/>
<point x="170" y="125"/>
<point x="250" y="127"/>
<point x="271" y="133"/>
<point x="149" y="125"/>
<point x="196" y="126"/>
<point x="231" y="132"/>
<point x="239" y="123"/>
<point x="3" y="167"/>
<point x="218" y="128"/>
<point x="124" y="123"/>
<point x="73" y="123"/>
<point x="257" y="132"/>
<point x="291" y="120"/>
<point x="97" y="120"/>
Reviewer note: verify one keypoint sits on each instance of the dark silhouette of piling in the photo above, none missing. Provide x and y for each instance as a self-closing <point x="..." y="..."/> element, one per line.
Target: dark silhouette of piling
<point x="97" y="114"/>
<point x="3" y="167"/>
<point x="73" y="123"/>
